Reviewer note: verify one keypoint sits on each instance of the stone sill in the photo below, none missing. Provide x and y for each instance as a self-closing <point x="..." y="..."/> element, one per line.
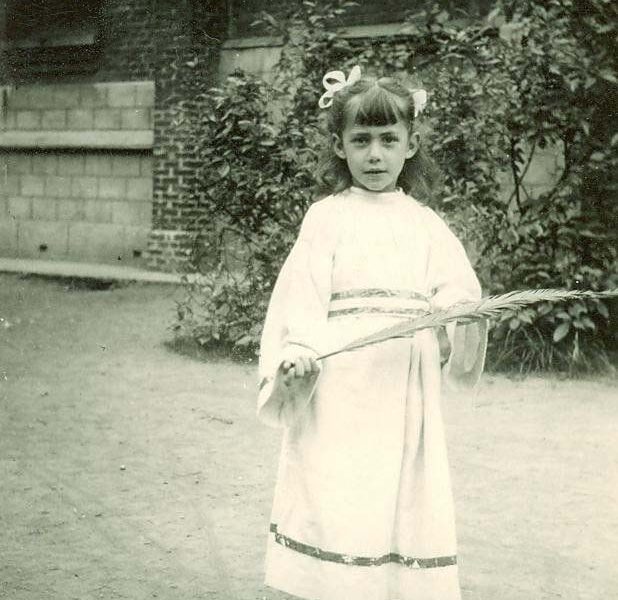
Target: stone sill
<point x="90" y="140"/>
<point x="351" y="32"/>
<point x="384" y="30"/>
<point x="266" y="41"/>
<point x="83" y="38"/>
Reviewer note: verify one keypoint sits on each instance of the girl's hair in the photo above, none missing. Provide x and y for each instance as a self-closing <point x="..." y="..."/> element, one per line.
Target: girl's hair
<point x="376" y="102"/>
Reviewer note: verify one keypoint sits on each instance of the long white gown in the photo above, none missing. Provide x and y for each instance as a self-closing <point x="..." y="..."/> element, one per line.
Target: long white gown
<point x="363" y="507"/>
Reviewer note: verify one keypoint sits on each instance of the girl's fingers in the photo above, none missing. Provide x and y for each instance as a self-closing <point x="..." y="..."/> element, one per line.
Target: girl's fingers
<point x="302" y="366"/>
<point x="299" y="366"/>
<point x="287" y="368"/>
<point x="311" y="366"/>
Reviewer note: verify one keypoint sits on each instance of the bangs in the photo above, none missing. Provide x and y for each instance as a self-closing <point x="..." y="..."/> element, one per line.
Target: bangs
<point x="377" y="107"/>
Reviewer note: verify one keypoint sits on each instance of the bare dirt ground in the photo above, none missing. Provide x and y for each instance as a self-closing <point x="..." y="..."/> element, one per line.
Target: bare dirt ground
<point x="129" y="471"/>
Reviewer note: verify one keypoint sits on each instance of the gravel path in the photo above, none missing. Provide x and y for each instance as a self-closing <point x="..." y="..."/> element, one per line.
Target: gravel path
<point x="129" y="471"/>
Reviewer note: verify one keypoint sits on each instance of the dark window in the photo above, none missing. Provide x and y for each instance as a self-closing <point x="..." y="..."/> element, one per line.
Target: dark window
<point x="52" y="38"/>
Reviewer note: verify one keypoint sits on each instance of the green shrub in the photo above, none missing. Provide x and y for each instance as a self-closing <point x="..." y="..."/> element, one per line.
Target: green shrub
<point x="256" y="181"/>
<point x="226" y="299"/>
<point x="550" y="338"/>
<point x="529" y="76"/>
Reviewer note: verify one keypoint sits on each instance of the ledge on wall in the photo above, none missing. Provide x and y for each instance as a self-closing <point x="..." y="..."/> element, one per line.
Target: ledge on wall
<point x="383" y="30"/>
<point x="95" y="140"/>
<point x="80" y="270"/>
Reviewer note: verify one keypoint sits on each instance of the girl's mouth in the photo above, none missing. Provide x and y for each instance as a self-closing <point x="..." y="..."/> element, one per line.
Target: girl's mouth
<point x="375" y="172"/>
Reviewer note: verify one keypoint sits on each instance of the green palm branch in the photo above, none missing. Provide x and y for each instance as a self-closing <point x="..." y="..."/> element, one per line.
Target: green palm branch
<point x="468" y="312"/>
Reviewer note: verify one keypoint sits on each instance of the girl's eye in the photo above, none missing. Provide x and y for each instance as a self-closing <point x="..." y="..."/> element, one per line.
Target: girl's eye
<point x="359" y="139"/>
<point x="390" y="139"/>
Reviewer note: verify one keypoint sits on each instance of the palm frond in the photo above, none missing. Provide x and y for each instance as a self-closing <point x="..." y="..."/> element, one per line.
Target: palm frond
<point x="468" y="312"/>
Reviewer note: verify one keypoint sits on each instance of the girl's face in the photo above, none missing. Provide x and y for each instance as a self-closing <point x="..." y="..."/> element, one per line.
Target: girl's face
<point x="376" y="154"/>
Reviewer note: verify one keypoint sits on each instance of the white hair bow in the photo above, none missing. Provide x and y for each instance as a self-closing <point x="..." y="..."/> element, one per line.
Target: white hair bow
<point x="334" y="81"/>
<point x="419" y="97"/>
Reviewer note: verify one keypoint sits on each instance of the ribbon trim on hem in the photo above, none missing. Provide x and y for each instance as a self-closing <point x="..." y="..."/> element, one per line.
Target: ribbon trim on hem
<point x="361" y="561"/>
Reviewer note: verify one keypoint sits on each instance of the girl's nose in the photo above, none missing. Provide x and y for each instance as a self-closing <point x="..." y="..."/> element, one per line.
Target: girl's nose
<point x="374" y="151"/>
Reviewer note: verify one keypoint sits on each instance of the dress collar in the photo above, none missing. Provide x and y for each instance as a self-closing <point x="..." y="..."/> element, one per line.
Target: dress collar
<point x="397" y="194"/>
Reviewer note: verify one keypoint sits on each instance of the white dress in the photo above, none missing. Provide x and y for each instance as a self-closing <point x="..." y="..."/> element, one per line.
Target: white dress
<point x="363" y="506"/>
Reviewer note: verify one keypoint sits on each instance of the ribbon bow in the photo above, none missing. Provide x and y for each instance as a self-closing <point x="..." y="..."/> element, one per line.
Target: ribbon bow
<point x="419" y="97"/>
<point x="335" y="81"/>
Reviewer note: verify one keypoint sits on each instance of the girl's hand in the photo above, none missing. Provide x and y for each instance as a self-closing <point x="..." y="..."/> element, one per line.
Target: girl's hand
<point x="301" y="366"/>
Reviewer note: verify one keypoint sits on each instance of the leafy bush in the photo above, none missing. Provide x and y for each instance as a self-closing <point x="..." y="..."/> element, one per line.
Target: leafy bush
<point x="527" y="78"/>
<point x="256" y="182"/>
<point x="533" y="76"/>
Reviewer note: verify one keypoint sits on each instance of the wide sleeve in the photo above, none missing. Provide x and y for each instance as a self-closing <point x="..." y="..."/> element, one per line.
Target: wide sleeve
<point x="296" y="318"/>
<point x="452" y="279"/>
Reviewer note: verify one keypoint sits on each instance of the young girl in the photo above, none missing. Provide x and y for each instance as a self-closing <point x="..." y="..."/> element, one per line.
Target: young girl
<point x="363" y="506"/>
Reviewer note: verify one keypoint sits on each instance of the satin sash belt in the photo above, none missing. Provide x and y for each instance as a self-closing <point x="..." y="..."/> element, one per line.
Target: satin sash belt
<point x="377" y="301"/>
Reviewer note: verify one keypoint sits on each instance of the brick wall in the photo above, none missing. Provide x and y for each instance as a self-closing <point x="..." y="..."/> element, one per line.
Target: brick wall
<point x="158" y="40"/>
<point x="74" y="183"/>
<point x="189" y="33"/>
<point x="137" y="40"/>
<point x="129" y="38"/>
<point x="4" y="67"/>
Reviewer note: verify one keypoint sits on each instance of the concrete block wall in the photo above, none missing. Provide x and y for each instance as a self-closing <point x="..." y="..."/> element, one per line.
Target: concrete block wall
<point x="66" y="197"/>
<point x="252" y="55"/>
<point x="542" y="174"/>
<point x="545" y="170"/>
<point x="118" y="106"/>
